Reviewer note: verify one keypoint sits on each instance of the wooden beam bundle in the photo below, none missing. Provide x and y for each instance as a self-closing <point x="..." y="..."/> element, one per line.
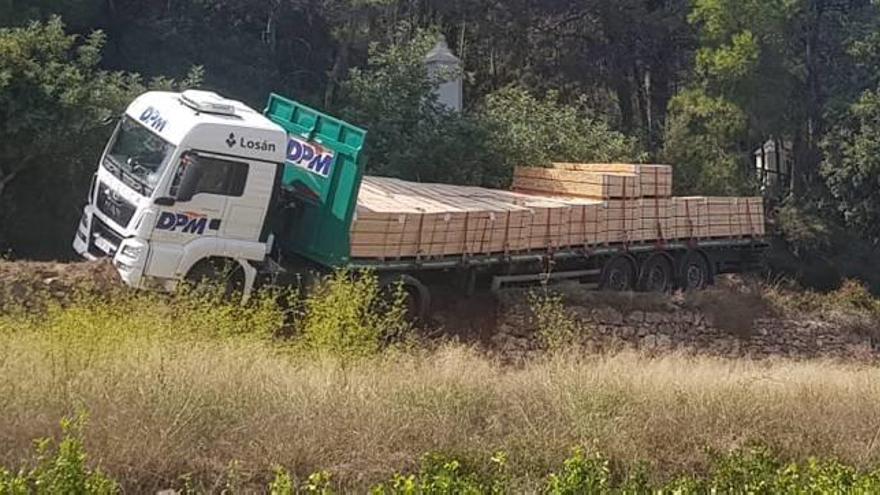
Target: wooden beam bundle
<point x="654" y="181"/>
<point x="578" y="183"/>
<point x="569" y="205"/>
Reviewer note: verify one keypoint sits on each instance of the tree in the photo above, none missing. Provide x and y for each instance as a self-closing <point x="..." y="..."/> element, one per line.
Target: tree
<point x="852" y="165"/>
<point x="411" y="135"/>
<point x="56" y="112"/>
<point x="535" y="131"/>
<point x="781" y="62"/>
<point x="704" y="140"/>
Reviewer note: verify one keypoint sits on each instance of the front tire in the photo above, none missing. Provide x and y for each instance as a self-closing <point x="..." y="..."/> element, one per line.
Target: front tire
<point x="417" y="297"/>
<point x="220" y="274"/>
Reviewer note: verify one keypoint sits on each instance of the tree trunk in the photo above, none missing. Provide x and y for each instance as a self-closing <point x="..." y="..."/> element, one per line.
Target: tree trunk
<point x="337" y="72"/>
<point x="809" y="156"/>
<point x="623" y="90"/>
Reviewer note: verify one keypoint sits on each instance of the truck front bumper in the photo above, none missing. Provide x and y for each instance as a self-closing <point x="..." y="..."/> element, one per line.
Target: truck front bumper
<point x="95" y="239"/>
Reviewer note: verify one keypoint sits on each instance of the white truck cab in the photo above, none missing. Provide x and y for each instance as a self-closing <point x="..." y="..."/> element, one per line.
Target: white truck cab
<point x="186" y="177"/>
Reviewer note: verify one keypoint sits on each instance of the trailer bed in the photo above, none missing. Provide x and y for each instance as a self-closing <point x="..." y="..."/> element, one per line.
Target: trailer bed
<point x="400" y="220"/>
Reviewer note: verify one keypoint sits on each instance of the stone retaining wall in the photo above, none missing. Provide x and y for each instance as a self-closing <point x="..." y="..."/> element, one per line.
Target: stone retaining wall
<point x="678" y="328"/>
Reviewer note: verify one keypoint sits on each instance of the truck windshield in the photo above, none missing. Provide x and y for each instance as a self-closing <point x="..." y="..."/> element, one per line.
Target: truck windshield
<point x="137" y="156"/>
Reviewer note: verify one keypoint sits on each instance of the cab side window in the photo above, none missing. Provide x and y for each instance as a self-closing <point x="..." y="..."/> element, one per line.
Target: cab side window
<point x="218" y="176"/>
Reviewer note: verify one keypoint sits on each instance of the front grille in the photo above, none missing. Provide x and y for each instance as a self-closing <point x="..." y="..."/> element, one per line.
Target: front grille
<point x="114" y="205"/>
<point x="110" y="243"/>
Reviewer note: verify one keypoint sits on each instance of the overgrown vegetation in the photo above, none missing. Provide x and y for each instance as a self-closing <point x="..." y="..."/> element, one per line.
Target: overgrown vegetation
<point x="64" y="469"/>
<point x="348" y="315"/>
<point x="190" y="393"/>
<point x="556" y="327"/>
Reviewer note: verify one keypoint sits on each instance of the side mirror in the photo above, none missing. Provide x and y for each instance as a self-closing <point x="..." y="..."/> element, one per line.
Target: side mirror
<point x="190" y="180"/>
<point x="164" y="201"/>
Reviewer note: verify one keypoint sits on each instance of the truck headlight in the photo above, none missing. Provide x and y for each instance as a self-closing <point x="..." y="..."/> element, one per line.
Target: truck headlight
<point x="132" y="251"/>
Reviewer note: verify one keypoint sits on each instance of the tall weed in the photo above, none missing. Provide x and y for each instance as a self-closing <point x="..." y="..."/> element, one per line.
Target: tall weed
<point x="348" y="315"/>
<point x="59" y="469"/>
<point x="556" y="327"/>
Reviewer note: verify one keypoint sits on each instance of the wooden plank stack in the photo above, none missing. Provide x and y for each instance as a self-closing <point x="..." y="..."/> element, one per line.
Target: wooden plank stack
<point x="735" y="217"/>
<point x="654" y="181"/>
<point x="577" y="183"/>
<point x="690" y="217"/>
<point x="567" y="205"/>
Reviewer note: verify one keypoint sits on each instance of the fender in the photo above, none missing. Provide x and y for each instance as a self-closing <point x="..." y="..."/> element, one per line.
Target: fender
<point x="207" y="247"/>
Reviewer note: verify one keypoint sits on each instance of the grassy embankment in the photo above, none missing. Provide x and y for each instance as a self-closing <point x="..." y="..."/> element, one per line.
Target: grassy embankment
<point x="188" y="392"/>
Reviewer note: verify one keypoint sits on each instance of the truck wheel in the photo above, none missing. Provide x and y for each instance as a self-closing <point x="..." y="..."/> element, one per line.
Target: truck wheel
<point x="221" y="273"/>
<point x="418" y="298"/>
<point x="694" y="273"/>
<point x="619" y="274"/>
<point x="657" y="274"/>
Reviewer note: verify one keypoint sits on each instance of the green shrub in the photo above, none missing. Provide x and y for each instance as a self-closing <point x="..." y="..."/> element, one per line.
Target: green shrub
<point x="440" y="475"/>
<point x="348" y="315"/>
<point x="282" y="484"/>
<point x="556" y="327"/>
<point x="60" y="470"/>
<point x="319" y="483"/>
<point x="581" y="473"/>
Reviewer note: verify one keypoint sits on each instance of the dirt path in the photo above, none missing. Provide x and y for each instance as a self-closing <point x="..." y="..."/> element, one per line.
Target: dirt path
<point x="20" y="280"/>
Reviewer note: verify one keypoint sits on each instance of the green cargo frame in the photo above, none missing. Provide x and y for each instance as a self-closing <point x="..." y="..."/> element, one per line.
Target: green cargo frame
<point x="320" y="229"/>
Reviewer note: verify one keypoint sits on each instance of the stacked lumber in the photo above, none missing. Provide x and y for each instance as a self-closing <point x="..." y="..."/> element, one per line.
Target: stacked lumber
<point x="690" y="217"/>
<point x="568" y="205"/>
<point x="559" y="222"/>
<point x="577" y="183"/>
<point x="657" y="218"/>
<point x="654" y="181"/>
<point x="398" y="219"/>
<point x="735" y="217"/>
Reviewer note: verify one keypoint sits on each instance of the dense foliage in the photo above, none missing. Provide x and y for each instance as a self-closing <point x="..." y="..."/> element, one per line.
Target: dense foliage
<point x="65" y="469"/>
<point x="701" y="84"/>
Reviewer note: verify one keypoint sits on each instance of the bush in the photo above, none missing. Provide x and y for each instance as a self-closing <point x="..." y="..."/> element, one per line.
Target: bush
<point x="556" y="327"/>
<point x="703" y="139"/>
<point x="411" y="135"/>
<point x="530" y="130"/>
<point x="851" y="167"/>
<point x="348" y="315"/>
<point x="581" y="473"/>
<point x="63" y="469"/>
<point x="440" y="475"/>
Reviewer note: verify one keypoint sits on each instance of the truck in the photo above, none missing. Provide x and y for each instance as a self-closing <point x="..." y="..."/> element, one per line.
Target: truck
<point x="193" y="185"/>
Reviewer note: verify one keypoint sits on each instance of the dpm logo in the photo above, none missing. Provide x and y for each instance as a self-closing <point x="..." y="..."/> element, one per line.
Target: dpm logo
<point x="154" y="119"/>
<point x="310" y="156"/>
<point x="186" y="222"/>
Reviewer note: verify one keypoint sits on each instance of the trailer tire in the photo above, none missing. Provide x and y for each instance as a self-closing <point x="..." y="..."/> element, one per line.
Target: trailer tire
<point x="694" y="272"/>
<point x="418" y="297"/>
<point x="224" y="274"/>
<point x="657" y="274"/>
<point x="619" y="274"/>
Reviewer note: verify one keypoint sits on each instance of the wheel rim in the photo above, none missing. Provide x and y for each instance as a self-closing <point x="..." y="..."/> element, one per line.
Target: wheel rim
<point x="658" y="278"/>
<point x="617" y="280"/>
<point x="695" y="276"/>
<point x="619" y="277"/>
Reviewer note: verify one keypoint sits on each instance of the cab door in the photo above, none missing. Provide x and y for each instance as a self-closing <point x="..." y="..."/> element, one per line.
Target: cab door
<point x="201" y="215"/>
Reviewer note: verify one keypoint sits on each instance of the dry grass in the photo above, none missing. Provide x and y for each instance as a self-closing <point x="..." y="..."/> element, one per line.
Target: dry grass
<point x="166" y="398"/>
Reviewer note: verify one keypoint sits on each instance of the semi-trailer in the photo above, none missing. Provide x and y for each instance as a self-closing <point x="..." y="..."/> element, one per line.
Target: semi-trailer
<point x="193" y="185"/>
